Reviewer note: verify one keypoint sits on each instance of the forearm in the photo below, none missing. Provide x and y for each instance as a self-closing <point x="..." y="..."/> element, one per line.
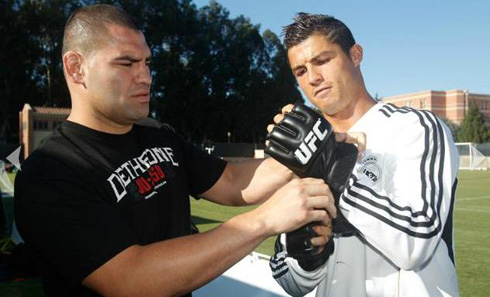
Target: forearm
<point x="175" y="267"/>
<point x="269" y="176"/>
<point x="249" y="182"/>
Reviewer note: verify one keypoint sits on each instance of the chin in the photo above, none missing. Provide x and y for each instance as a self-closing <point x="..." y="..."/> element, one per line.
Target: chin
<point x="320" y="105"/>
<point x="137" y="116"/>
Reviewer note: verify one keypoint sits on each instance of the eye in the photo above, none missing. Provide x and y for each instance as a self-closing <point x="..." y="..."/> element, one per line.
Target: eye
<point x="323" y="61"/>
<point x="299" y="72"/>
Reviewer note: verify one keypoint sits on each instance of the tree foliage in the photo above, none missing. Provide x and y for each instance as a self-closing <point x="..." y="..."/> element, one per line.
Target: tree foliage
<point x="473" y="127"/>
<point x="453" y="127"/>
<point x="212" y="74"/>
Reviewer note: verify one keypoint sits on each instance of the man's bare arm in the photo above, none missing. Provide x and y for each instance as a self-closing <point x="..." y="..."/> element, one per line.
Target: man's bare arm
<point x="248" y="182"/>
<point x="177" y="266"/>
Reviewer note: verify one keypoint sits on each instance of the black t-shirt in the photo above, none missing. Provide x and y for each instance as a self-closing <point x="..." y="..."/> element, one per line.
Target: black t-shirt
<point x="84" y="196"/>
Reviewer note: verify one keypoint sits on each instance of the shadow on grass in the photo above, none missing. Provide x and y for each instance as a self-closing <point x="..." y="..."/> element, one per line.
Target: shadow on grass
<point x="198" y="220"/>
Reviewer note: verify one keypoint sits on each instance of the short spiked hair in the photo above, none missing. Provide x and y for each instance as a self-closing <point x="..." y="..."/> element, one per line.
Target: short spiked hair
<point x="306" y="25"/>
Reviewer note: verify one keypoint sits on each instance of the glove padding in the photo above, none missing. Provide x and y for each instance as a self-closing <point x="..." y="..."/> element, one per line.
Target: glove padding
<point x="305" y="142"/>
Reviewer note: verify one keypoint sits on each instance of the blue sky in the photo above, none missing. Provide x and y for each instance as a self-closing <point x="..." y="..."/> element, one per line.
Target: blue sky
<point x="409" y="46"/>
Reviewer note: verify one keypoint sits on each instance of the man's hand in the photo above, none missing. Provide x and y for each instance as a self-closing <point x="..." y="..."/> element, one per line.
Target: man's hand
<point x="299" y="202"/>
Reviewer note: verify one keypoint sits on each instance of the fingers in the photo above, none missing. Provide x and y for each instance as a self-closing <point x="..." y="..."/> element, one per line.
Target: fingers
<point x="357" y="138"/>
<point x="278" y="117"/>
<point x="323" y="208"/>
<point x="284" y="110"/>
<point x="323" y="230"/>
<point x="319" y="240"/>
<point x="318" y="198"/>
<point x="287" y="108"/>
<point x="324" y="234"/>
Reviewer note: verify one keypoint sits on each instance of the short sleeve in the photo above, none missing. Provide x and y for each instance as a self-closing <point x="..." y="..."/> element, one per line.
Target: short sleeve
<point x="204" y="170"/>
<point x="64" y="218"/>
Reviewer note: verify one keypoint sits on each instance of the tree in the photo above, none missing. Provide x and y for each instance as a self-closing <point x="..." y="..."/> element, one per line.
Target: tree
<point x="455" y="128"/>
<point x="31" y="69"/>
<point x="212" y="74"/>
<point x="218" y="75"/>
<point x="473" y="127"/>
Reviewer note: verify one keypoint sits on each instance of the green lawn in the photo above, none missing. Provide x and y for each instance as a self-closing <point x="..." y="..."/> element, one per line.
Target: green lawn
<point x="207" y="215"/>
<point x="471" y="231"/>
<point x="472" y="238"/>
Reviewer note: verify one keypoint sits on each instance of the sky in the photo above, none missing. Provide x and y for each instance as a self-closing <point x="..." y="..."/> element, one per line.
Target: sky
<point x="409" y="46"/>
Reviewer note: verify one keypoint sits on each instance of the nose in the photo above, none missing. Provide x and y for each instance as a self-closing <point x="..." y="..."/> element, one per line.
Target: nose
<point x="314" y="76"/>
<point x="143" y="75"/>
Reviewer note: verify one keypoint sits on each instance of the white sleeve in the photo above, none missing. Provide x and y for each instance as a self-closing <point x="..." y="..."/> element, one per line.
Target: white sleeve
<point x="403" y="214"/>
<point x="290" y="276"/>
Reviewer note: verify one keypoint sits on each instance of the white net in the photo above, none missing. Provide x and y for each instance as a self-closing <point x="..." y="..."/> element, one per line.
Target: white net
<point x="5" y="183"/>
<point x="470" y="158"/>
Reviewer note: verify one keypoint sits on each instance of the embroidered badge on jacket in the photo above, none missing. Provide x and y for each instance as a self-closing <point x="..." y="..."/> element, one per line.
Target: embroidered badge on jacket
<point x="370" y="171"/>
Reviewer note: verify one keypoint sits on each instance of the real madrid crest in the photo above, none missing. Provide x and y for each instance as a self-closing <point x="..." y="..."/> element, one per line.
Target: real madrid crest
<point x="370" y="171"/>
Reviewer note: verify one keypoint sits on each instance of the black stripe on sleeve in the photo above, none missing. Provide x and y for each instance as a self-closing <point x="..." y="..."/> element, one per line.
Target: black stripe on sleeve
<point x="435" y="181"/>
<point x="447" y="233"/>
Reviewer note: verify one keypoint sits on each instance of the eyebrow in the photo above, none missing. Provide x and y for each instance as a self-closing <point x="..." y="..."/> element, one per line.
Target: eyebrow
<point x="131" y="59"/>
<point x="315" y="58"/>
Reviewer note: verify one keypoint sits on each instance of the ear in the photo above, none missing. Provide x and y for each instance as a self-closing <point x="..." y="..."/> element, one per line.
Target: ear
<point x="356" y="53"/>
<point x="72" y="65"/>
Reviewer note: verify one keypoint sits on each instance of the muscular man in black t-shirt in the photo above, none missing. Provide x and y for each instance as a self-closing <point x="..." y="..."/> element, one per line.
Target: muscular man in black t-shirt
<point x="103" y="203"/>
<point x="104" y="193"/>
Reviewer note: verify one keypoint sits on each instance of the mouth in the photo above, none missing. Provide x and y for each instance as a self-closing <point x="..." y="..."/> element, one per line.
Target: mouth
<point x="142" y="97"/>
<point x="322" y="91"/>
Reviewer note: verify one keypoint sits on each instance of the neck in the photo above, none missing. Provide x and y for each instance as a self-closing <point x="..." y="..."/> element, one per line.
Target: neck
<point x="345" y="119"/>
<point x="97" y="121"/>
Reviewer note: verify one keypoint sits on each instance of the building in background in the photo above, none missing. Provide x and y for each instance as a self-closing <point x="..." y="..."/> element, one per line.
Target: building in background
<point x="36" y="123"/>
<point x="451" y="105"/>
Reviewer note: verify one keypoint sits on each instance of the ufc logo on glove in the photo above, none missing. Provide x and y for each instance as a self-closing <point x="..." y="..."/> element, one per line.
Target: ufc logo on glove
<point x="303" y="153"/>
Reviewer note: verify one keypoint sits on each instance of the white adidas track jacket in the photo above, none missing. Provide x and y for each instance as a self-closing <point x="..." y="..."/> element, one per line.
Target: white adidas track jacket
<point x="400" y="198"/>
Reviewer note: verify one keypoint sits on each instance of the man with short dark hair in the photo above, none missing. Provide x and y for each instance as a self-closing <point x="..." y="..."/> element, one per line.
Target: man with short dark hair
<point x="104" y="202"/>
<point x="400" y="195"/>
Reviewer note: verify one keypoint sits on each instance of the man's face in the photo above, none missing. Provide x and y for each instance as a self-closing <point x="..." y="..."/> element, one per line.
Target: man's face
<point x="118" y="77"/>
<point x="325" y="74"/>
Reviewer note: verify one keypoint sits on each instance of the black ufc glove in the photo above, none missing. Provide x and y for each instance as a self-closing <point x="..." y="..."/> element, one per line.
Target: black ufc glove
<point x="305" y="143"/>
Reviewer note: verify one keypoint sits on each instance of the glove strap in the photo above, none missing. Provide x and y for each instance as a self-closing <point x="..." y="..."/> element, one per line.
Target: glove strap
<point x="311" y="262"/>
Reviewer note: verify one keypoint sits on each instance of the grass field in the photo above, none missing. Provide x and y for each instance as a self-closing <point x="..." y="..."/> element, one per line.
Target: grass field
<point x="471" y="232"/>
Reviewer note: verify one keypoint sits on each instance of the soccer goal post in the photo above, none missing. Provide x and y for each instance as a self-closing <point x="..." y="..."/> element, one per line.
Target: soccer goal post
<point x="470" y="158"/>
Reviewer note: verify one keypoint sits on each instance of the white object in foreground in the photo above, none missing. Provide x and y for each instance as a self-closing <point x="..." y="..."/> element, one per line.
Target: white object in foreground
<point x="251" y="277"/>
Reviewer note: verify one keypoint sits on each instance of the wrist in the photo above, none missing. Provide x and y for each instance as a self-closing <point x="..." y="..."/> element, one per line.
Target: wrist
<point x="279" y="169"/>
<point x="252" y="225"/>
